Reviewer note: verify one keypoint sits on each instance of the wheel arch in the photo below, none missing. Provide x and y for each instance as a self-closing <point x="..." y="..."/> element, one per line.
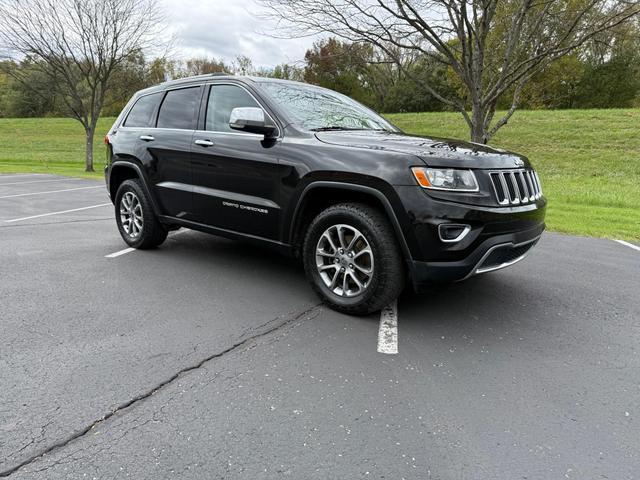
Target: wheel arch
<point x="319" y="195"/>
<point x="121" y="171"/>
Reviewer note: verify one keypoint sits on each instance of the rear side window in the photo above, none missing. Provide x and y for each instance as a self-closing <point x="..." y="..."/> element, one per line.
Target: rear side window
<point x="141" y="113"/>
<point x="223" y="99"/>
<point x="179" y="109"/>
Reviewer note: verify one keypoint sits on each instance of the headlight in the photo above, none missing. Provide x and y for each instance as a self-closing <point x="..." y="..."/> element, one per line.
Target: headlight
<point x="446" y="179"/>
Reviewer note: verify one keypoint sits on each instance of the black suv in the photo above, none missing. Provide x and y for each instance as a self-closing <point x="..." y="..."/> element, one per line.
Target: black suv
<point x="317" y="175"/>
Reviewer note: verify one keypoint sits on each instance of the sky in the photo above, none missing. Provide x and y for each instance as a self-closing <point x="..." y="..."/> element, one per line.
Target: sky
<point x="227" y="28"/>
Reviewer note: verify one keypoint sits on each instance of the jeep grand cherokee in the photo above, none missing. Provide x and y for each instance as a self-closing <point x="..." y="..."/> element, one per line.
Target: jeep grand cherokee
<point x="317" y="175"/>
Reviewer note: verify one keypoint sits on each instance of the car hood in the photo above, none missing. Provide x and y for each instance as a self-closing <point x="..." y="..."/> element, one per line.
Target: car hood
<point x="435" y="152"/>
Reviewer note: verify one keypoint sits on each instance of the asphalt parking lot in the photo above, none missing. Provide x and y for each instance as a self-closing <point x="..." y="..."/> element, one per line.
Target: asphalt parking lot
<point x="212" y="359"/>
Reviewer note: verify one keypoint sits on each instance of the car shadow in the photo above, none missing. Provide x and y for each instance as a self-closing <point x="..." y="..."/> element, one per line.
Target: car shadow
<point x="207" y="258"/>
<point x="211" y="247"/>
<point x="500" y="301"/>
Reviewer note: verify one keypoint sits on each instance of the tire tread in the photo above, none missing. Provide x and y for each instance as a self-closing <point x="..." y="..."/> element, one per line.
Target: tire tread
<point x="154" y="233"/>
<point x="391" y="276"/>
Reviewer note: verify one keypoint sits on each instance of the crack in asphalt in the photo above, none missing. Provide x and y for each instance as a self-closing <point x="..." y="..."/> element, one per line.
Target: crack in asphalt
<point x="148" y="393"/>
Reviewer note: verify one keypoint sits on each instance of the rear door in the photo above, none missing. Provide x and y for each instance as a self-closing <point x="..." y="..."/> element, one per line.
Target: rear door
<point x="169" y="148"/>
<point x="139" y="123"/>
<point x="236" y="175"/>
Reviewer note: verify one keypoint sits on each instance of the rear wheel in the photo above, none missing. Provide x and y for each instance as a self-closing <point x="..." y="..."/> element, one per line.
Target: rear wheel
<point x="137" y="223"/>
<point x="352" y="259"/>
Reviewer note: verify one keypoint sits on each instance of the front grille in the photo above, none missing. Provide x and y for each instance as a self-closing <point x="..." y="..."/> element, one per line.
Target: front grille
<point x="504" y="255"/>
<point x="513" y="187"/>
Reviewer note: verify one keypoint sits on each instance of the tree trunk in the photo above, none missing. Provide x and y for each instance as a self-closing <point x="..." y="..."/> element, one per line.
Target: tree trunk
<point x="476" y="128"/>
<point x="89" y="150"/>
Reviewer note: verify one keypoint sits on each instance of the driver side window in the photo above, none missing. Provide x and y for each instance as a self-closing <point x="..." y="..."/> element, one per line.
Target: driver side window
<point x="223" y="99"/>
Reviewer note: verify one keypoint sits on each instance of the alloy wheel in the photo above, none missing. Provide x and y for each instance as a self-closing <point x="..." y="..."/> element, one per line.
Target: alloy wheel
<point x="344" y="260"/>
<point x="131" y="214"/>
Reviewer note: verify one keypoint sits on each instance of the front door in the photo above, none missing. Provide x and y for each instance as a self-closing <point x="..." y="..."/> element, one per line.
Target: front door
<point x="235" y="174"/>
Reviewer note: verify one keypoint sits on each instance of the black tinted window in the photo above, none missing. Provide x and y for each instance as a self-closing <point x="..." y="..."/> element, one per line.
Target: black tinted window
<point x="178" y="110"/>
<point x="140" y="114"/>
<point x="223" y="99"/>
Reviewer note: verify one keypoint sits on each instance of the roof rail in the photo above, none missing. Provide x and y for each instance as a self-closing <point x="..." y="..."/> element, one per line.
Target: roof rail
<point x="196" y="77"/>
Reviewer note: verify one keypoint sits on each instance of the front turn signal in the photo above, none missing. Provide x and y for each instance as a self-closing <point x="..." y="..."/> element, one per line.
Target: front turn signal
<point x="451" y="179"/>
<point x="421" y="177"/>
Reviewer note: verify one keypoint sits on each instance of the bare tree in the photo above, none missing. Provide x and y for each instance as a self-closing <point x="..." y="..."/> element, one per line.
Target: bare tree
<point x="203" y="65"/>
<point x="78" y="45"/>
<point x="243" y="65"/>
<point x="493" y="47"/>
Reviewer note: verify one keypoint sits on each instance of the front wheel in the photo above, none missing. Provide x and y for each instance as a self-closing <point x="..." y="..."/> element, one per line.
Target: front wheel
<point x="137" y="223"/>
<point x="352" y="259"/>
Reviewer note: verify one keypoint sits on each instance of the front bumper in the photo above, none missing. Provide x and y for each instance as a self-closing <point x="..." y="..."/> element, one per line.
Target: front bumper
<point x="498" y="237"/>
<point x="495" y="253"/>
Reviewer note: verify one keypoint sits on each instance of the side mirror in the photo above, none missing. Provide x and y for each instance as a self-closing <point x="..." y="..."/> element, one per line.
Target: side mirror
<point x="252" y="120"/>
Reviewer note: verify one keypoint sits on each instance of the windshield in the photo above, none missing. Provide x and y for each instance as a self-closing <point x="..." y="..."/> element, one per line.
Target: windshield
<point x="317" y="109"/>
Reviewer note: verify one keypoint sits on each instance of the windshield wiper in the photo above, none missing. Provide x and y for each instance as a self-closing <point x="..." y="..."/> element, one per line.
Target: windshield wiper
<point x="336" y="128"/>
<point x="333" y="128"/>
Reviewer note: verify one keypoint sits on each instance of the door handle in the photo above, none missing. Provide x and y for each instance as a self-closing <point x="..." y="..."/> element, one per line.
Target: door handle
<point x="204" y="143"/>
<point x="147" y="138"/>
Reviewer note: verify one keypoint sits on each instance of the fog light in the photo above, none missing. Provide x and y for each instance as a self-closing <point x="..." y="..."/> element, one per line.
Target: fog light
<point x="453" y="232"/>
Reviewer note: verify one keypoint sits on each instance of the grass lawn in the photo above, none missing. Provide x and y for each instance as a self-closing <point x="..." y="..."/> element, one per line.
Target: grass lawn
<point x="49" y="145"/>
<point x="588" y="160"/>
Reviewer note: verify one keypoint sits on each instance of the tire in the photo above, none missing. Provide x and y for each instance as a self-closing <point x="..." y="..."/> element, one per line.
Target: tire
<point x="371" y="260"/>
<point x="140" y="229"/>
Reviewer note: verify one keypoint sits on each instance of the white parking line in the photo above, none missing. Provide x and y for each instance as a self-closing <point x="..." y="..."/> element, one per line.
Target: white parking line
<point x="627" y="244"/>
<point x="388" y="332"/>
<point x="57" y="213"/>
<point x="50" y="191"/>
<point x="129" y="250"/>
<point x="40" y="181"/>
<point x="121" y="252"/>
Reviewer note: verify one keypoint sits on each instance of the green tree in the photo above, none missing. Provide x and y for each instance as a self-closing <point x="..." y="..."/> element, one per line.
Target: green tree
<point x="22" y="98"/>
<point x="285" y="71"/>
<point x="612" y="69"/>
<point x="128" y="77"/>
<point x="340" y="66"/>
<point x="4" y="88"/>
<point x="556" y="86"/>
<point x="406" y="93"/>
<point x="161" y="69"/>
<point x="612" y="84"/>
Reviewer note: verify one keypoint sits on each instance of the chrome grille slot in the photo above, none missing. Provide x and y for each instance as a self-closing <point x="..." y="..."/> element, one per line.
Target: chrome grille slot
<point x="529" y="179"/>
<point x="515" y="187"/>
<point x="538" y="184"/>
<point x="497" y="186"/>
<point x="522" y="183"/>
<point x="514" y="195"/>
